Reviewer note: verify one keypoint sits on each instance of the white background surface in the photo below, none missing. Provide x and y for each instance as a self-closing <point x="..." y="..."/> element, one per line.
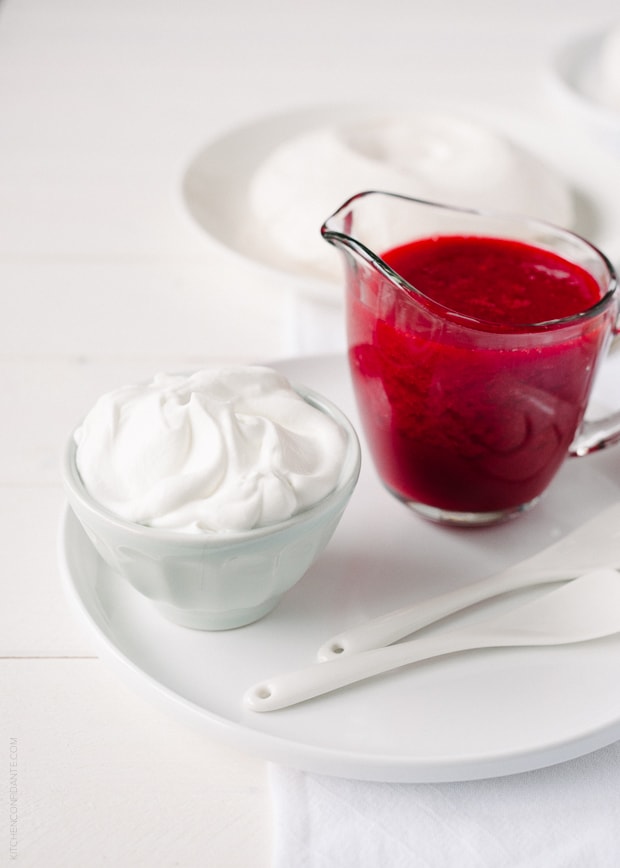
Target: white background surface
<point x="104" y="279"/>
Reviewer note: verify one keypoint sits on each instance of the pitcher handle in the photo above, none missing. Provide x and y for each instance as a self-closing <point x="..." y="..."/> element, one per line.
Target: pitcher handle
<point x="595" y="434"/>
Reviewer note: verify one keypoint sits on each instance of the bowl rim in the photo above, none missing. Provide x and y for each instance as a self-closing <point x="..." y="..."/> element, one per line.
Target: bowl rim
<point x="78" y="494"/>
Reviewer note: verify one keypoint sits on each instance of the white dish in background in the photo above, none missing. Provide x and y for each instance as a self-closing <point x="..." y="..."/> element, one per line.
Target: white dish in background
<point x="474" y="715"/>
<point x="576" y="79"/>
<point x="215" y="186"/>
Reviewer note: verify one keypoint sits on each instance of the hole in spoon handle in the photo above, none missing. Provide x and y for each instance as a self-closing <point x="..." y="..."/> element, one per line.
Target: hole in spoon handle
<point x="257" y="697"/>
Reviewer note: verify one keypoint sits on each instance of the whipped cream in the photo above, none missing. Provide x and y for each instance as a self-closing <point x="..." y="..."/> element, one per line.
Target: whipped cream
<point x="427" y="156"/>
<point x="225" y="449"/>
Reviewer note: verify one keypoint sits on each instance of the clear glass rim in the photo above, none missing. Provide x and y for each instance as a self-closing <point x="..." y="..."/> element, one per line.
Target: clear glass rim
<point x="343" y="239"/>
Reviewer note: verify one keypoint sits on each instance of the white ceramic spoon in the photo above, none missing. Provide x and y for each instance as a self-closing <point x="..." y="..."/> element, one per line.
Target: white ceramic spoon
<point x="586" y="608"/>
<point x="593" y="545"/>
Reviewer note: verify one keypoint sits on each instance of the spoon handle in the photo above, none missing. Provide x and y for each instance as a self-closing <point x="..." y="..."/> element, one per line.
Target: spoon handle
<point x="392" y="626"/>
<point x="586" y="608"/>
<point x="593" y="545"/>
<point x="290" y="688"/>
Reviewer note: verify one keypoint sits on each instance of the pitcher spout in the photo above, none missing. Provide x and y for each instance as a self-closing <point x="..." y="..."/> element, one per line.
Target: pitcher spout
<point x="373" y="221"/>
<point x="341" y="229"/>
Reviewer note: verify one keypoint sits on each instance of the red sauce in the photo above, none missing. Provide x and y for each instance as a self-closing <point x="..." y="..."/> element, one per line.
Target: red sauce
<point x="493" y="279"/>
<point x="475" y="418"/>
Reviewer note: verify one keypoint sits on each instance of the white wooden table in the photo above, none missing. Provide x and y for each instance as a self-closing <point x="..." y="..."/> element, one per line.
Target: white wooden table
<point x="103" y="280"/>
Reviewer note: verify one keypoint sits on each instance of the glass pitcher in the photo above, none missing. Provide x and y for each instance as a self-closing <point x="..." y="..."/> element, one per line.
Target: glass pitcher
<point x="468" y="419"/>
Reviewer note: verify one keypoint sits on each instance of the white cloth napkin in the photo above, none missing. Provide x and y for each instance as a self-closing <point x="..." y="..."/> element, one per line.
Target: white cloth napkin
<point x="564" y="816"/>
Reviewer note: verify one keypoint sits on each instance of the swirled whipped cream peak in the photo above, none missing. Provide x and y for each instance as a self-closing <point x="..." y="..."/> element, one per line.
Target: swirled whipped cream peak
<point x="229" y="448"/>
<point x="429" y="155"/>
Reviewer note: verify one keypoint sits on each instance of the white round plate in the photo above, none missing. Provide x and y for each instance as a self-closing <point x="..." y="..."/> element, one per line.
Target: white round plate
<point x="574" y="74"/>
<point x="474" y="715"/>
<point x="215" y="185"/>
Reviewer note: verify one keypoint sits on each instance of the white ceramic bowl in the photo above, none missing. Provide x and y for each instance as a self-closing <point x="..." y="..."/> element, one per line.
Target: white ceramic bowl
<point x="216" y="581"/>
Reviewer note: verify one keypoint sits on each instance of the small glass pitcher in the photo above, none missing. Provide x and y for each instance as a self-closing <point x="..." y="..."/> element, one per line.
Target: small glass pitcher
<point x="467" y="420"/>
